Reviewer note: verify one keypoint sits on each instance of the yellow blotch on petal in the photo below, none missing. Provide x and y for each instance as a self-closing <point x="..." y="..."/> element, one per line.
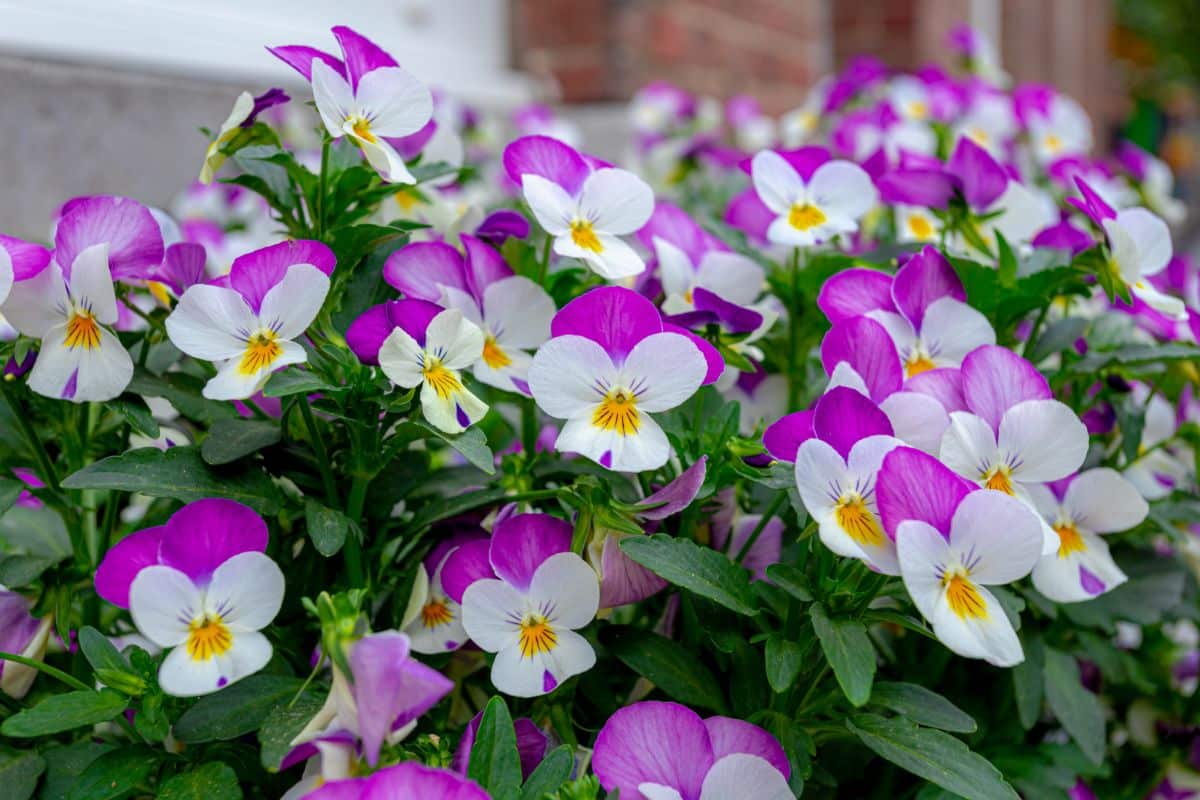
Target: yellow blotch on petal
<point x="82" y="330"/>
<point x="920" y="227"/>
<point x="858" y="522"/>
<point x="361" y="126"/>
<point x="617" y="412"/>
<point x="159" y="292"/>
<point x="494" y="355"/>
<point x="1052" y="143"/>
<point x="963" y="596"/>
<point x="443" y="381"/>
<point x="805" y="217"/>
<point x="436" y="613"/>
<point x="583" y="234"/>
<point x="208" y="638"/>
<point x="1069" y="539"/>
<point x="918" y="363"/>
<point x="998" y="479"/>
<point x="537" y="636"/>
<point x="261" y="351"/>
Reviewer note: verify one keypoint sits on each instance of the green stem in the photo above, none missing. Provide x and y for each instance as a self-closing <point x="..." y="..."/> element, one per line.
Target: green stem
<point x="53" y="672"/>
<point x="321" y="187"/>
<point x="321" y="453"/>
<point x="255" y="409"/>
<point x="1033" y="333"/>
<point x="793" y="354"/>
<point x="529" y="430"/>
<point x="771" y="511"/>
<point x="49" y="475"/>
<point x="544" y="264"/>
<point x="353" y="547"/>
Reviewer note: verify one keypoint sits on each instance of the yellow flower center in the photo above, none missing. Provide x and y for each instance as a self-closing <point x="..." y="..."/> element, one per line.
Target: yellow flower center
<point x="207" y="638"/>
<point x="858" y="521"/>
<point x="917" y="109"/>
<point x="805" y="217"/>
<point x="261" y="351"/>
<point x="583" y="234"/>
<point x="494" y="355"/>
<point x="920" y="227"/>
<point x="998" y="479"/>
<point x="979" y="136"/>
<point x="537" y="636"/>
<point x="443" y="381"/>
<point x="617" y="412"/>
<point x="1052" y="143"/>
<point x="82" y="330"/>
<point x="917" y="363"/>
<point x="436" y="613"/>
<point x="1069" y="539"/>
<point x="963" y="596"/>
<point x="159" y="292"/>
<point x="362" y="129"/>
<point x="408" y="199"/>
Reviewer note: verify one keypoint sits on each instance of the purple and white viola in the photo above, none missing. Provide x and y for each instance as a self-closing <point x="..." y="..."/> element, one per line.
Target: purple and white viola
<point x="525" y="598"/>
<point x="25" y="635"/>
<point x="602" y="371"/>
<point x="813" y="198"/>
<point x="437" y="625"/>
<point x="665" y="751"/>
<point x="407" y="779"/>
<point x="585" y="205"/>
<point x="248" y="327"/>
<point x="245" y="110"/>
<point x="202" y="585"/>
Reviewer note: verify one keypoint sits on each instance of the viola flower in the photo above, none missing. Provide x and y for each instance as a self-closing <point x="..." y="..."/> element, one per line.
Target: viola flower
<point x="602" y="372"/>
<point x="406" y="779"/>
<point x="1057" y="125"/>
<point x="1156" y="472"/>
<point x="202" y="585"/>
<point x="512" y="312"/>
<point x="437" y="627"/>
<point x="429" y="347"/>
<point x="1080" y="509"/>
<point x="1140" y="246"/>
<point x="368" y="97"/>
<point x="69" y="303"/>
<point x="952" y="542"/>
<point x="665" y="751"/>
<point x="245" y="110"/>
<point x="1155" y="181"/>
<point x="812" y="204"/>
<point x="274" y="294"/>
<point x="586" y="207"/>
<point x="528" y="613"/>
<point x="1012" y="433"/>
<point x="23" y="634"/>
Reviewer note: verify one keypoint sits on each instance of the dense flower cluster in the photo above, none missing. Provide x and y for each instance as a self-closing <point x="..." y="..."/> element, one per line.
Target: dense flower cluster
<point x="727" y="471"/>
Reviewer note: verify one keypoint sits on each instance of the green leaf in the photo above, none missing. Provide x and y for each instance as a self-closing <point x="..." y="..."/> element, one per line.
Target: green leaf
<point x="64" y="765"/>
<point x="64" y="712"/>
<point x="116" y="775"/>
<point x="933" y="755"/>
<point x="37" y="531"/>
<point x="1077" y="709"/>
<point x="849" y="651"/>
<point x="179" y="473"/>
<point x="22" y="570"/>
<point x="922" y="706"/>
<point x="282" y="725"/>
<point x="231" y="439"/>
<point x="10" y="491"/>
<point x="698" y="569"/>
<point x="327" y="528"/>
<point x="1057" y="336"/>
<point x="137" y="415"/>
<point x="495" y="763"/>
<point x="792" y="580"/>
<point x="287" y="382"/>
<point x="19" y="772"/>
<point x="784" y="658"/>
<point x="235" y="710"/>
<point x="1006" y="264"/>
<point x="554" y="770"/>
<point x="1028" y="683"/>
<point x="665" y="663"/>
<point x="471" y="445"/>
<point x="446" y="507"/>
<point x="110" y="666"/>
<point x="183" y="391"/>
<point x="271" y="180"/>
<point x="1133" y="355"/>
<point x="211" y="781"/>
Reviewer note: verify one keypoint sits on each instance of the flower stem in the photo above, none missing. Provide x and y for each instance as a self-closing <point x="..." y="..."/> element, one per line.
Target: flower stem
<point x="793" y="355"/>
<point x="544" y="264"/>
<point x="319" y="222"/>
<point x="771" y="511"/>
<point x="353" y="547"/>
<point x="1033" y="332"/>
<point x="49" y="475"/>
<point x="320" y="451"/>
<point x="53" y="672"/>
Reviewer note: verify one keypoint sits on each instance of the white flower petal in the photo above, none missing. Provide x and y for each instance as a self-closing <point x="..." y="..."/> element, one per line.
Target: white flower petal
<point x="731" y="276"/>
<point x="246" y="591"/>
<point x="565" y="374"/>
<point x="990" y="637"/>
<point x="211" y="323"/>
<point x="454" y="340"/>
<point x="291" y="305"/>
<point x="491" y="612"/>
<point x="453" y="413"/>
<point x="917" y="419"/>
<point x="1078" y="576"/>
<point x="1101" y="501"/>
<point x="163" y="601"/>
<point x="968" y="445"/>
<point x="745" y="775"/>
<point x="565" y="583"/>
<point x="518" y="312"/>
<point x="395" y="102"/>
<point x="842" y="189"/>
<point x="1046" y="436"/>
<point x="92" y="285"/>
<point x="37" y="304"/>
<point x="550" y="204"/>
<point x="951" y="329"/>
<point x="104" y="372"/>
<point x="333" y="96"/>
<point x="997" y="537"/>
<point x="616" y="201"/>
<point x="663" y="370"/>
<point x="776" y="181"/>
<point x="401" y="358"/>
<point x="1151" y="238"/>
<point x="647" y="449"/>
<point x="615" y="259"/>
<point x="540" y="674"/>
<point x="384" y="159"/>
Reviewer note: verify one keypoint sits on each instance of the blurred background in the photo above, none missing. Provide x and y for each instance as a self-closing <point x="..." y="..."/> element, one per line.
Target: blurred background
<point x="107" y="96"/>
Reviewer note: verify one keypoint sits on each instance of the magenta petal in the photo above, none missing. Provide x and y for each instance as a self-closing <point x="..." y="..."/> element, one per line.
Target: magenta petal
<point x="865" y="345"/>
<point x="502" y="224"/>
<point x="676" y="495"/>
<point x="749" y="214"/>
<point x="913" y="485"/>
<point x="300" y="58"/>
<point x="983" y="180"/>
<point x="390" y="688"/>
<point x="943" y="384"/>
<point x="183" y="266"/>
<point x="932" y="188"/>
<point x="1092" y="204"/>
<point x="843" y="416"/>
<point x="924" y="278"/>
<point x="672" y="224"/>
<point x="444" y="547"/>
<point x="783" y="437"/>
<point x="361" y="54"/>
<point x="763" y="553"/>
<point x="729" y="736"/>
<point x="1064" y="236"/>
<point x="17" y="625"/>
<point x="124" y="561"/>
<point x="806" y="160"/>
<point x="411" y="779"/>
<point x="28" y="259"/>
<point x="623" y="580"/>
<point x="549" y="158"/>
<point x="532" y="744"/>
<point x="730" y="316"/>
<point x="522" y="542"/>
<point x="466" y="564"/>
<point x="135" y="243"/>
<point x="653" y="742"/>
<point x="995" y="379"/>
<point x="614" y="317"/>
<point x="420" y="270"/>
<point x="257" y="272"/>
<point x="484" y="266"/>
<point x="854" y="292"/>
<point x="202" y="535"/>
<point x="366" y="334"/>
<point x="713" y="359"/>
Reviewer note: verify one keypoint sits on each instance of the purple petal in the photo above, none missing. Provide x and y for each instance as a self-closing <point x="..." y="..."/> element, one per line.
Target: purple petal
<point x="731" y="316"/>
<point x="502" y="224"/>
<point x="465" y="565"/>
<point x="444" y="547"/>
<point x="676" y="495"/>
<point x="623" y="580"/>
<point x="914" y="485"/>
<point x="853" y="292"/>
<point x="135" y="243"/>
<point x="614" y="317"/>
<point x="361" y="54"/>
<point x="729" y="736"/>
<point x="390" y="688"/>
<point x="653" y="742"/>
<point x="1064" y="236"/>
<point x="124" y="561"/>
<point x="268" y="99"/>
<point x="484" y="266"/>
<point x="1134" y="159"/>
<point x="28" y="259"/>
<point x="932" y="188"/>
<point x="712" y="356"/>
<point x="766" y="549"/>
<point x="995" y="379"/>
<point x="522" y="542"/>
<point x="183" y="266"/>
<point x="983" y="180"/>
<point x="409" y="147"/>
<point x="300" y="57"/>
<point x="366" y="334"/>
<point x="748" y="213"/>
<point x="924" y="278"/>
<point x="1092" y="203"/>
<point x="410" y="779"/>
<point x="420" y="270"/>
<point x="256" y="273"/>
<point x="806" y="160"/>
<point x="202" y="535"/>
<point x="865" y="345"/>
<point x="550" y="158"/>
<point x="783" y="437"/>
<point x="672" y="224"/>
<point x="943" y="384"/>
<point x="843" y="416"/>
<point x="1090" y="582"/>
<point x="532" y="744"/>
